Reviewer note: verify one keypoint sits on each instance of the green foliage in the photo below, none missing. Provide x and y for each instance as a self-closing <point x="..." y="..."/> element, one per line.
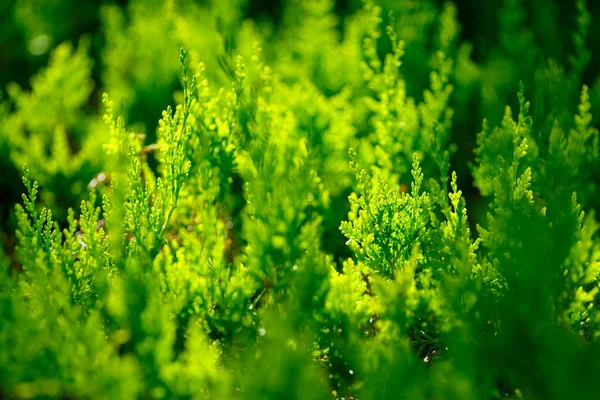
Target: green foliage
<point x="300" y="222"/>
<point x="50" y="130"/>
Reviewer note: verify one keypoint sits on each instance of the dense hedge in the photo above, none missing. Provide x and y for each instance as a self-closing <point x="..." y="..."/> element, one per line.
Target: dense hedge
<point x="295" y="224"/>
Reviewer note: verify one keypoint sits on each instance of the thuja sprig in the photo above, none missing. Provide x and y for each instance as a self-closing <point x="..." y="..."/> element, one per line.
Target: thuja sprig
<point x="39" y="235"/>
<point x="386" y="223"/>
<point x="581" y="55"/>
<point x="177" y="166"/>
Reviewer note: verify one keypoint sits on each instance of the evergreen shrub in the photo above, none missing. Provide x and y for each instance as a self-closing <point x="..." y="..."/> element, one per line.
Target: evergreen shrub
<point x="300" y="199"/>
